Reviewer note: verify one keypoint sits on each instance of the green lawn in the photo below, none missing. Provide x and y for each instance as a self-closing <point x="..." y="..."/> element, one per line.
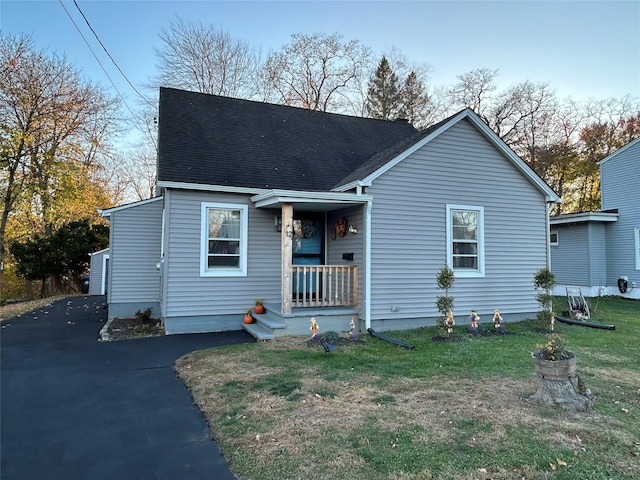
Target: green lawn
<point x="446" y="410"/>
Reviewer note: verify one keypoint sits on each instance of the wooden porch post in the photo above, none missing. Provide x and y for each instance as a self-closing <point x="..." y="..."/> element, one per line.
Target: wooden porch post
<point x="287" y="256"/>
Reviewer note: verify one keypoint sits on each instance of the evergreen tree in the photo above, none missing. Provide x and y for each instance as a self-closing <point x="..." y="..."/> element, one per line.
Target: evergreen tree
<point x="383" y="94"/>
<point x="413" y="99"/>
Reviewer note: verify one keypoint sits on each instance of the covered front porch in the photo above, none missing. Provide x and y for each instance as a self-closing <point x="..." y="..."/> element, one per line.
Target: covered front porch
<point x="322" y="252"/>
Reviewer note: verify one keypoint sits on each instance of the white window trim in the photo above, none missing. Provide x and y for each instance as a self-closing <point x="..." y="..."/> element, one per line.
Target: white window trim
<point x="637" y="244"/>
<point x="240" y="271"/>
<point x="466" y="272"/>
<point x="551" y="242"/>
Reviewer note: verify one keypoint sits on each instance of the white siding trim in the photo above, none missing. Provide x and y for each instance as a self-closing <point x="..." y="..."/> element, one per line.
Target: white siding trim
<point x="636" y="235"/>
<point x="277" y="197"/>
<point x="490" y="136"/>
<point x="569" y="218"/>
<point x="465" y="272"/>
<point x="108" y="211"/>
<point x="367" y="265"/>
<point x="204" y="235"/>
<point x="620" y="150"/>
<point x="103" y="280"/>
<point x="210" y="188"/>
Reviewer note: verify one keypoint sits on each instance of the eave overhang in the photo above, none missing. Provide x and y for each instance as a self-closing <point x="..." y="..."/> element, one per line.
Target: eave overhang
<point x="583" y="217"/>
<point x="209" y="188"/>
<point x="308" y="200"/>
<point x="108" y="211"/>
<point x="490" y="135"/>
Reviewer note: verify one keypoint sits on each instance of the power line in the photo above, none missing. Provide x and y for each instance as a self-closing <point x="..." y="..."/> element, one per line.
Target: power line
<point x="135" y="118"/>
<point x="109" y="55"/>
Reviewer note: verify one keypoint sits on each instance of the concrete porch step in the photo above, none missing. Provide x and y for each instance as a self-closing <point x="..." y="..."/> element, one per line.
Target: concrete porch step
<point x="271" y="318"/>
<point x="273" y="323"/>
<point x="258" y="331"/>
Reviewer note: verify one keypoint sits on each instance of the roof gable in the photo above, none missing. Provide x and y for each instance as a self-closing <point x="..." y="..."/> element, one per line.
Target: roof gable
<point x="615" y="154"/>
<point x="385" y="160"/>
<point x="212" y="140"/>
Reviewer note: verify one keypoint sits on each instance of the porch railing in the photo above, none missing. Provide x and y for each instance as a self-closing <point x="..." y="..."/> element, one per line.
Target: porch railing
<point x="324" y="285"/>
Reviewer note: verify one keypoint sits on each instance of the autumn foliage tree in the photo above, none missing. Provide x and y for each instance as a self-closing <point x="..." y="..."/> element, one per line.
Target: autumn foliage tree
<point x="561" y="140"/>
<point x="55" y="129"/>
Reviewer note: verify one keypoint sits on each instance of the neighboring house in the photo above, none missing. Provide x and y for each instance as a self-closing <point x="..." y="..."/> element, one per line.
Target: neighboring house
<point x="600" y="251"/>
<point x="99" y="267"/>
<point x="325" y="216"/>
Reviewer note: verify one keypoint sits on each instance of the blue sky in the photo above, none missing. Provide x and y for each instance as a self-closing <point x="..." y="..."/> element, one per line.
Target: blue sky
<point x="584" y="49"/>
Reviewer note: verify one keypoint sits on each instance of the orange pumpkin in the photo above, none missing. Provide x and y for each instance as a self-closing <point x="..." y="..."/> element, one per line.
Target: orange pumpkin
<point x="259" y="309"/>
<point x="248" y="318"/>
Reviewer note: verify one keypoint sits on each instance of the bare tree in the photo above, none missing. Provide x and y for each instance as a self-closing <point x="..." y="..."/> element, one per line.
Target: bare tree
<point x="317" y="72"/>
<point x="132" y="174"/>
<point x="202" y="58"/>
<point x="474" y="90"/>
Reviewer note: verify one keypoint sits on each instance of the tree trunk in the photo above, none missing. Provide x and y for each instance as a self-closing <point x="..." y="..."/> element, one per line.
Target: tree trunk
<point x="570" y="395"/>
<point x="559" y="386"/>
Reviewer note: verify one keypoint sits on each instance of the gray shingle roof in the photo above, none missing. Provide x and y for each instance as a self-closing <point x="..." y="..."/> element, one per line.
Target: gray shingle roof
<point x="207" y="139"/>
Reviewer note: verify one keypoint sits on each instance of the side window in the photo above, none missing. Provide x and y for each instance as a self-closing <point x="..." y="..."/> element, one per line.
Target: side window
<point x="223" y="240"/>
<point x="553" y="238"/>
<point x="465" y="240"/>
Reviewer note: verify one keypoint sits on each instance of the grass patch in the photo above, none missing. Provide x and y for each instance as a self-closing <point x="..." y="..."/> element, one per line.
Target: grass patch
<point x="17" y="309"/>
<point x="445" y="410"/>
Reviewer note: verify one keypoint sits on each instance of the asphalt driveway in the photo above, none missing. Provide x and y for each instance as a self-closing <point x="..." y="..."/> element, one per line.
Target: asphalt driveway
<point x="76" y="408"/>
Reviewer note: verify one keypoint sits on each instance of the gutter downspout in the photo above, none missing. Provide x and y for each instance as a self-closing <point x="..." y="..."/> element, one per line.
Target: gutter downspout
<point x="367" y="266"/>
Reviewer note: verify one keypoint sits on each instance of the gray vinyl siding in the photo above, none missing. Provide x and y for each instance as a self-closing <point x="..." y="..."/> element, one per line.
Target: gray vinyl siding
<point x="195" y="303"/>
<point x="96" y="269"/>
<point x="350" y="243"/>
<point x="580" y="257"/>
<point x="134" y="280"/>
<point x="598" y="253"/>
<point x="620" y="177"/>
<point x="409" y="231"/>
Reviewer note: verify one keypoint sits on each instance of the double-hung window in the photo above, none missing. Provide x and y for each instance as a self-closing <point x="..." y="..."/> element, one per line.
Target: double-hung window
<point x="224" y="240"/>
<point x="465" y="240"/>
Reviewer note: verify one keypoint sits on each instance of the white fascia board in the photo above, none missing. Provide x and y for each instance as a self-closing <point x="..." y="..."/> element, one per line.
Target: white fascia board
<point x="620" y="150"/>
<point x="99" y="252"/>
<point x="520" y="164"/>
<point x="276" y="197"/>
<point x="211" y="188"/>
<point x="350" y="186"/>
<point x="491" y="136"/>
<point x="368" y="180"/>
<point x="584" y="217"/>
<point x="108" y="211"/>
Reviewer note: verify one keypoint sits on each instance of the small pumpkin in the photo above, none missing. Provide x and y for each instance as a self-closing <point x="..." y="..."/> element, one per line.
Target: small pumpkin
<point x="247" y="317"/>
<point x="259" y="306"/>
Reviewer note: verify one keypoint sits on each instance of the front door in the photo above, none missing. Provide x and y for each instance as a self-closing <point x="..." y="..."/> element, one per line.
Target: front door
<point x="308" y="249"/>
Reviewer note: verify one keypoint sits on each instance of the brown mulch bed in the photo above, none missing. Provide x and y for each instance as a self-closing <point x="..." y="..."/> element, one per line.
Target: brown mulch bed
<point x="127" y="328"/>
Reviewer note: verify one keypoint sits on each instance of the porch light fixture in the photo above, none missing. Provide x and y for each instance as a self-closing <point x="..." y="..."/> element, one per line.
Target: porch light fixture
<point x="277" y="221"/>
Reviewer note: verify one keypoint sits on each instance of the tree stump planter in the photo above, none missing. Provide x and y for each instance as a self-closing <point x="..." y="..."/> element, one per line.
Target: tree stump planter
<point x="559" y="385"/>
